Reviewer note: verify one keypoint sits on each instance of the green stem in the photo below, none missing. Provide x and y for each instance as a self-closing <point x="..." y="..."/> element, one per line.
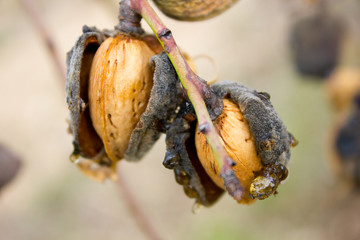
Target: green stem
<point x="197" y="90"/>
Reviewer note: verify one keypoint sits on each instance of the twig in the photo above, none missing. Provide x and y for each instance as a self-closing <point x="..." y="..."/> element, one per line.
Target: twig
<point x="39" y="24"/>
<point x="199" y="93"/>
<point x="142" y="220"/>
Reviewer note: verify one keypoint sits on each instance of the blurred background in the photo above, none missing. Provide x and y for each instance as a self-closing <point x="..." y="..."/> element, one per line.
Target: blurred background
<point x="250" y="43"/>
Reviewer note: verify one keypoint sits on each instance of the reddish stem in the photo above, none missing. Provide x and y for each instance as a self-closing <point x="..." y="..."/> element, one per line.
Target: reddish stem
<point x="203" y="99"/>
<point x="34" y="15"/>
<point x="142" y="220"/>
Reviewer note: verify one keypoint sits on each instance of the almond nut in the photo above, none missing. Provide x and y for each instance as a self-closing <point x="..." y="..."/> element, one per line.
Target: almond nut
<point x="236" y="137"/>
<point x="119" y="89"/>
<point x="193" y="10"/>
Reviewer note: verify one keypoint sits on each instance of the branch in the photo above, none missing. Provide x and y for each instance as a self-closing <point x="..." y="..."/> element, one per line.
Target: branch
<point x="203" y="99"/>
<point x="141" y="219"/>
<point x="39" y="24"/>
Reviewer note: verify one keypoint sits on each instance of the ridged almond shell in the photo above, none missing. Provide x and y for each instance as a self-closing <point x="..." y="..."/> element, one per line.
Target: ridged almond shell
<point x="342" y="86"/>
<point x="193" y="10"/>
<point x="238" y="142"/>
<point x="121" y="79"/>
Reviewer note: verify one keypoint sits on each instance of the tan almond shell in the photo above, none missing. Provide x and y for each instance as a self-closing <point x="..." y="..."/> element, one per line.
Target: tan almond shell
<point x="193" y="10"/>
<point x="119" y="89"/>
<point x="238" y="142"/>
<point x="341" y="87"/>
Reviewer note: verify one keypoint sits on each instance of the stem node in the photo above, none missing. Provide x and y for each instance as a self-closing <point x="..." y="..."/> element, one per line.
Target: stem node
<point x="204" y="128"/>
<point x="165" y="33"/>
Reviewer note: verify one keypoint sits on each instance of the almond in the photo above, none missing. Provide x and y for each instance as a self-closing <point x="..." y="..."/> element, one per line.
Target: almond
<point x="238" y="142"/>
<point x="121" y="79"/>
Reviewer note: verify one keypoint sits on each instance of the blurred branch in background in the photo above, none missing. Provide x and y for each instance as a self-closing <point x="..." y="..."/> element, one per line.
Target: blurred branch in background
<point x="9" y="166"/>
<point x="45" y="34"/>
<point x="141" y="219"/>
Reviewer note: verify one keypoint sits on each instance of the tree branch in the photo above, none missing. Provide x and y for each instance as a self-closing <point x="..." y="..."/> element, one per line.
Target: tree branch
<point x="39" y="24"/>
<point x="140" y="217"/>
<point x="206" y="104"/>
